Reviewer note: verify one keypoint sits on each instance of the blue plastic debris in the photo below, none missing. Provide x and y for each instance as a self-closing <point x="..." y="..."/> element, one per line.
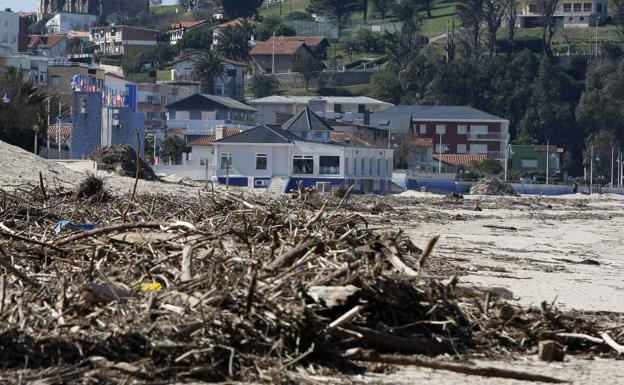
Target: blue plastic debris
<point x="80" y="226"/>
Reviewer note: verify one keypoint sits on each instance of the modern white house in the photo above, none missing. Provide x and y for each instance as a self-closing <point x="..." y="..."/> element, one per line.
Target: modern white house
<point x="9" y="32"/>
<point x="65" y="22"/>
<point x="570" y="13"/>
<point x="278" y="109"/>
<point x="300" y="152"/>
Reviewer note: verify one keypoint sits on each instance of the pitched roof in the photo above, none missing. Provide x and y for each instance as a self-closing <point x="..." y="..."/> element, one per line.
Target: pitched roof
<point x="460" y="159"/>
<point x="282" y="47"/>
<point x="209" y="139"/>
<point x="400" y="117"/>
<point x="420" y="142"/>
<point x="306" y="120"/>
<point x="48" y="41"/>
<point x="261" y="135"/>
<point x="231" y="23"/>
<point x="185" y="25"/>
<point x="311" y="41"/>
<point x="199" y="101"/>
<point x="192" y="56"/>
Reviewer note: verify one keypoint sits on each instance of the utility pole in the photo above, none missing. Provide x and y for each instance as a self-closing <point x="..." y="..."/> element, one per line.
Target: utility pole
<point x="597" y="21"/>
<point x="439" y="156"/>
<point x="273" y="56"/>
<point x="547" y="159"/>
<point x="611" y="172"/>
<point x="58" y="130"/>
<point x="506" y="155"/>
<point x="48" y="131"/>
<point x="591" y="169"/>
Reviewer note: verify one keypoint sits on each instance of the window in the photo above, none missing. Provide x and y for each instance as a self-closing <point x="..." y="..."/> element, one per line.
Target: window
<point x="532" y="8"/>
<point x="338" y="108"/>
<point x="440" y="149"/>
<point x="346" y="165"/>
<point x="462" y="129"/>
<point x="56" y="80"/>
<point x="196" y="115"/>
<point x="423" y="129"/>
<point x="370" y="167"/>
<point x="529" y="163"/>
<point x="388" y="167"/>
<point x="567" y="7"/>
<point x="478" y="149"/>
<point x="577" y="7"/>
<point x="599" y="8"/>
<point x="378" y="167"/>
<point x="440" y="129"/>
<point x="231" y="73"/>
<point x="361" y="108"/>
<point x="261" y="161"/>
<point x="363" y="166"/>
<point x="303" y="164"/>
<point x="461" y="148"/>
<point x="226" y="161"/>
<point x="329" y="165"/>
<point x="355" y="171"/>
<point x="150" y="99"/>
<point x="587" y="7"/>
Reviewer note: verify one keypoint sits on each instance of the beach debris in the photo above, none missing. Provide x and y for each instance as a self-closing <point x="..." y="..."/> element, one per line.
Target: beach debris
<point x="122" y="161"/>
<point x="493" y="186"/>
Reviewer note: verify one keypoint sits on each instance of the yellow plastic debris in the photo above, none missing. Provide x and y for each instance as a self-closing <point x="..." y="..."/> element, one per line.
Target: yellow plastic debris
<point x="151" y="286"/>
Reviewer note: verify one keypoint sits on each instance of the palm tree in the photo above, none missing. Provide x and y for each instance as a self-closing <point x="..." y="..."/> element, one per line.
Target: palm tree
<point x="248" y="27"/>
<point x="208" y="67"/>
<point x="233" y="44"/>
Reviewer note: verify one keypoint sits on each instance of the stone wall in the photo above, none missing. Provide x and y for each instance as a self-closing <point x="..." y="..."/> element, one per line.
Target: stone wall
<point x="326" y="79"/>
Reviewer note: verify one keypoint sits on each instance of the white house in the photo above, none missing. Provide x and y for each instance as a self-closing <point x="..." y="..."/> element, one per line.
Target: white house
<point x="300" y="152"/>
<point x="277" y="109"/>
<point x="178" y="29"/>
<point x="65" y="22"/>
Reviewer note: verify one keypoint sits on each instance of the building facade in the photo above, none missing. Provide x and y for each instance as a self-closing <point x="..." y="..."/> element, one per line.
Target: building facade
<point x="51" y="46"/>
<point x="33" y="66"/>
<point x="200" y="114"/>
<point x="178" y="29"/>
<point x="9" y="32"/>
<point x="152" y="99"/>
<point x="65" y="22"/>
<point x="94" y="7"/>
<point x="231" y="84"/>
<point x="62" y="73"/>
<point x="532" y="159"/>
<point x="116" y="40"/>
<point x="280" y="56"/>
<point x="570" y="13"/>
<point x="278" y="109"/>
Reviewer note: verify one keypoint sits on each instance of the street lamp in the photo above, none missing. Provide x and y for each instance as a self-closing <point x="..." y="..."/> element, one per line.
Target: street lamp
<point x="591" y="169"/>
<point x="441" y="151"/>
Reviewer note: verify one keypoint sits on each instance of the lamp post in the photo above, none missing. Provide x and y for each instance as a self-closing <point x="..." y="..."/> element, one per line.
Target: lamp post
<point x="597" y="21"/>
<point x="611" y="171"/>
<point x="547" y="159"/>
<point x="591" y="169"/>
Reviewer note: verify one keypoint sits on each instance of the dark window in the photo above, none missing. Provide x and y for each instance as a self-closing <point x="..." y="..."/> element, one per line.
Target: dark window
<point x="338" y="108"/>
<point x="261" y="161"/>
<point x="195" y="115"/>
<point x="231" y="73"/>
<point x="172" y="114"/>
<point x="587" y="7"/>
<point x="361" y="108"/>
<point x="599" y="8"/>
<point x="226" y="161"/>
<point x="577" y="7"/>
<point x="567" y="7"/>
<point x="303" y="165"/>
<point x="329" y="165"/>
<point x="532" y="8"/>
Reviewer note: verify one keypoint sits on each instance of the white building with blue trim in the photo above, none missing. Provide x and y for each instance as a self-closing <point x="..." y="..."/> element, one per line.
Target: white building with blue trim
<point x="301" y="151"/>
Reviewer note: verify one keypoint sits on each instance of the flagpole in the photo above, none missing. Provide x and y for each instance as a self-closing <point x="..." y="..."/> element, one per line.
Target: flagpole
<point x="48" y="130"/>
<point x="58" y="130"/>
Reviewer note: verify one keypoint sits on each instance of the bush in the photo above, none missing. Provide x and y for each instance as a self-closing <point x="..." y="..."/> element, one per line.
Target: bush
<point x="264" y="85"/>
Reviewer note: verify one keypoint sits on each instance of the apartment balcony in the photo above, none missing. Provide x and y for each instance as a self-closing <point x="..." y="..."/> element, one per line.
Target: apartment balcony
<point x="496" y="155"/>
<point x="488" y="136"/>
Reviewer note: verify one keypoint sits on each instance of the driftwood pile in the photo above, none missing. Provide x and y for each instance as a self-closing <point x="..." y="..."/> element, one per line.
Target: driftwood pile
<point x="220" y="286"/>
<point x="122" y="160"/>
<point x="493" y="186"/>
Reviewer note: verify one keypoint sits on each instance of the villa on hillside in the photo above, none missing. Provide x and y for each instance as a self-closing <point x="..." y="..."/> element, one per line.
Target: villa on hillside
<point x="570" y="13"/>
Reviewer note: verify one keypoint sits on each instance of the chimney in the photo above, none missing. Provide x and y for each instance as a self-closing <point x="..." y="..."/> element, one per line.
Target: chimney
<point x="220" y="132"/>
<point x="367" y="114"/>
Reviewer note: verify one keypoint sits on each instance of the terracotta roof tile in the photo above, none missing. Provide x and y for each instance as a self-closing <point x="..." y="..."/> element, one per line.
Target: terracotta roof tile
<point x="209" y="139"/>
<point x="185" y="25"/>
<point x="311" y="41"/>
<point x="460" y="159"/>
<point x="421" y="142"/>
<point x="48" y="41"/>
<point x="343" y="137"/>
<point x="282" y="47"/>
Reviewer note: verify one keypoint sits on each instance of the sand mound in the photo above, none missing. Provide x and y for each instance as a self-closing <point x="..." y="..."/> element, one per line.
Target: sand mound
<point x="19" y="167"/>
<point x="493" y="186"/>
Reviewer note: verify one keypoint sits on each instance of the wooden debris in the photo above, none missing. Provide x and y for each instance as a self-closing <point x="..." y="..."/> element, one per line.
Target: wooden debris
<point x="550" y="350"/>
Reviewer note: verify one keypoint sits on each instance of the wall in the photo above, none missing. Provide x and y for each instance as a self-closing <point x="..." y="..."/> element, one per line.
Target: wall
<point x="9" y="30"/>
<point x="453" y="139"/>
<point x="244" y="159"/>
<point x="86" y="132"/>
<point x="326" y="79"/>
<point x="65" y="22"/>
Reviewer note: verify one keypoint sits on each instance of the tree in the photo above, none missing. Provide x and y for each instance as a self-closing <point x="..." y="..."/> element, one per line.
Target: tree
<point x="511" y="15"/>
<point x="617" y="11"/>
<point x="364" y="8"/>
<point x="383" y="7"/>
<point x="24" y="110"/>
<point x="546" y="9"/>
<point x="208" y="67"/>
<point x="264" y="85"/>
<point x="385" y="84"/>
<point x="233" y="44"/>
<point x="270" y="25"/>
<point x="602" y="142"/>
<point x="428" y="5"/>
<point x="408" y="41"/>
<point x="309" y="67"/>
<point x="486" y="167"/>
<point x="339" y="8"/>
<point x="241" y="8"/>
<point x="493" y="13"/>
<point x="195" y="39"/>
<point x="470" y="13"/>
<point x="174" y="147"/>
